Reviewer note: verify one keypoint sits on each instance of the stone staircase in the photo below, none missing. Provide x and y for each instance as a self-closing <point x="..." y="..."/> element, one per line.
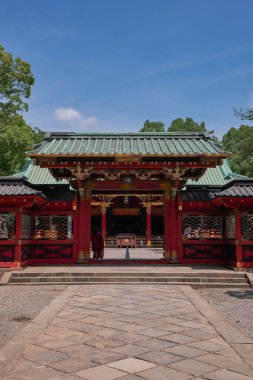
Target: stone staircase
<point x="196" y="280"/>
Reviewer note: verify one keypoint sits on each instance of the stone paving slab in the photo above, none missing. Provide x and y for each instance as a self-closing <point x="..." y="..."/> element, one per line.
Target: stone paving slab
<point x="117" y="332"/>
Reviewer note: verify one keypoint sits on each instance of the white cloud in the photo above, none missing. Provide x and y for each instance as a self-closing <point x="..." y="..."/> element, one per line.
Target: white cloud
<point x="75" y="118"/>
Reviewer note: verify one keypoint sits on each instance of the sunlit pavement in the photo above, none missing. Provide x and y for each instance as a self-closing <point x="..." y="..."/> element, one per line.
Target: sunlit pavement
<point x="130" y="333"/>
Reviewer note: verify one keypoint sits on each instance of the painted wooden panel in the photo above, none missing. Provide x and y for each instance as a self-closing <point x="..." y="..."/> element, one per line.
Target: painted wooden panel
<point x="247" y="253"/>
<point x="230" y="251"/>
<point x="7" y="253"/>
<point x="203" y="252"/>
<point x="26" y="252"/>
<point x="53" y="251"/>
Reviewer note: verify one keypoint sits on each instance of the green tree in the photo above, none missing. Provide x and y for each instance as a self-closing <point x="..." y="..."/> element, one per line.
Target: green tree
<point x="187" y="125"/>
<point x="244" y="114"/>
<point x="153" y="126"/>
<point x="38" y="135"/>
<point x="16" y="80"/>
<point x="14" y="142"/>
<point x="239" y="142"/>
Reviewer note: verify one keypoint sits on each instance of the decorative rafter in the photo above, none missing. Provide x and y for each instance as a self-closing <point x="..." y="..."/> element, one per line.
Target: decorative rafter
<point x="81" y="173"/>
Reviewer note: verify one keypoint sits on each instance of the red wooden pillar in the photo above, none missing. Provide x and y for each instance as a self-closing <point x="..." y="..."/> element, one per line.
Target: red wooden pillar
<point x="84" y="221"/>
<point x="179" y="228"/>
<point x="103" y="220"/>
<point x="173" y="225"/>
<point x="167" y="232"/>
<point x="238" y="237"/>
<point x="75" y="230"/>
<point x="148" y="224"/>
<point x="18" y="235"/>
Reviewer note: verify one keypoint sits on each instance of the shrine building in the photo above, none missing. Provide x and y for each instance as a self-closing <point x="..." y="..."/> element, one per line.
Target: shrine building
<point x="173" y="191"/>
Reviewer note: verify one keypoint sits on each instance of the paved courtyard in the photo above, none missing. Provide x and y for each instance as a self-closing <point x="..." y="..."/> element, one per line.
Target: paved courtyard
<point x="134" y="253"/>
<point x="128" y="332"/>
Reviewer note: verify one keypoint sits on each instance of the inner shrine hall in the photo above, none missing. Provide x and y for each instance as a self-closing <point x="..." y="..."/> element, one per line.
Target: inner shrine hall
<point x="169" y="191"/>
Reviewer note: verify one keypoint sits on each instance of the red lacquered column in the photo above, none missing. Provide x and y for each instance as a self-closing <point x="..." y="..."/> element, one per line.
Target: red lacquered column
<point x="167" y="232"/>
<point x="103" y="220"/>
<point x="18" y="241"/>
<point x="238" y="237"/>
<point x="148" y="225"/>
<point x="84" y="221"/>
<point x="173" y="225"/>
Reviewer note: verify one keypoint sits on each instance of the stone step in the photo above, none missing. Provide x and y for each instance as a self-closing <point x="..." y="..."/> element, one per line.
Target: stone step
<point x="218" y="279"/>
<point x="123" y="262"/>
<point x="229" y="274"/>
<point x="124" y="279"/>
<point x="193" y="285"/>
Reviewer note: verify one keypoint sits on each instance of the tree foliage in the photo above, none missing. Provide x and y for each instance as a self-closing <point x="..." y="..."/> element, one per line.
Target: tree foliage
<point x="16" y="80"/>
<point x="38" y="135"/>
<point x="14" y="142"/>
<point x="153" y="126"/>
<point x="239" y="142"/>
<point x="244" y="114"/>
<point x="187" y="125"/>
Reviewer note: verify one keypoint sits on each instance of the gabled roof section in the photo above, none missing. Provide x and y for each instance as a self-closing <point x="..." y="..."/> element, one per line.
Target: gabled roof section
<point x="218" y="176"/>
<point x="196" y="196"/>
<point x="144" y="144"/>
<point x="237" y="188"/>
<point x="14" y="186"/>
<point x="37" y="175"/>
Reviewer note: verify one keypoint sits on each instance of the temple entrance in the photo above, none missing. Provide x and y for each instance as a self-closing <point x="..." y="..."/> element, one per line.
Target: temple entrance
<point x="133" y="220"/>
<point x="157" y="225"/>
<point x="123" y="224"/>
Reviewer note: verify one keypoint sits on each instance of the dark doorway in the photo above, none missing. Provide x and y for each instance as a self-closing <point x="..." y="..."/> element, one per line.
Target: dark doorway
<point x="95" y="222"/>
<point x="132" y="224"/>
<point x="157" y="225"/>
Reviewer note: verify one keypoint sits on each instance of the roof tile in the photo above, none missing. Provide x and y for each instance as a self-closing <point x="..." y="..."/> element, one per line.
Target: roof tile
<point x="129" y="143"/>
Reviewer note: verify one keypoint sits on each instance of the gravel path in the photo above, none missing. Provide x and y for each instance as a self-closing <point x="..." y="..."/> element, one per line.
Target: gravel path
<point x="235" y="305"/>
<point x="20" y="304"/>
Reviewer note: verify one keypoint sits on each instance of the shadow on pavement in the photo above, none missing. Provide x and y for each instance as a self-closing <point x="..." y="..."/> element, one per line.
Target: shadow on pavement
<point x="243" y="294"/>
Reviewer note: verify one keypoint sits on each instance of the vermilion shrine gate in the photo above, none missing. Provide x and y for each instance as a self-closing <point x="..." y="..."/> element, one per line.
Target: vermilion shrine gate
<point x="174" y="190"/>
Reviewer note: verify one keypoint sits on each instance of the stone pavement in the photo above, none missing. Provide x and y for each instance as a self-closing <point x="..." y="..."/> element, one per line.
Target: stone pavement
<point x="134" y="253"/>
<point x="129" y="333"/>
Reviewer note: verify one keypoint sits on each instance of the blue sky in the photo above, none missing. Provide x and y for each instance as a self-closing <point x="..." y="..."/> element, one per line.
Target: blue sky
<point x="110" y="65"/>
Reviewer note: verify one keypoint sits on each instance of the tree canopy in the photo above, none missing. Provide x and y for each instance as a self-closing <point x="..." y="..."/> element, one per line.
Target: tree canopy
<point x="14" y="142"/>
<point x="177" y="125"/>
<point x="38" y="135"/>
<point x="240" y="143"/>
<point x="187" y="125"/>
<point x="153" y="126"/>
<point x="244" y="114"/>
<point x="16" y="80"/>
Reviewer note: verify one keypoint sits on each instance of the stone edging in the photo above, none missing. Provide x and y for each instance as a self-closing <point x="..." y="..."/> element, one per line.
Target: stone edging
<point x="250" y="278"/>
<point x="5" y="278"/>
<point x="242" y="344"/>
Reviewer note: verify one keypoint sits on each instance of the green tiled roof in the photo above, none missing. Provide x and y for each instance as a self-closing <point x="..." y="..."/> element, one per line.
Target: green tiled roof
<point x="218" y="176"/>
<point x="37" y="175"/>
<point x="149" y="144"/>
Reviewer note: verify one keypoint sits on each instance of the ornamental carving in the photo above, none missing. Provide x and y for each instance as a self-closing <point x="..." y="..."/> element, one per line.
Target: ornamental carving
<point x="112" y="176"/>
<point x="81" y="173"/>
<point x="174" y="173"/>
